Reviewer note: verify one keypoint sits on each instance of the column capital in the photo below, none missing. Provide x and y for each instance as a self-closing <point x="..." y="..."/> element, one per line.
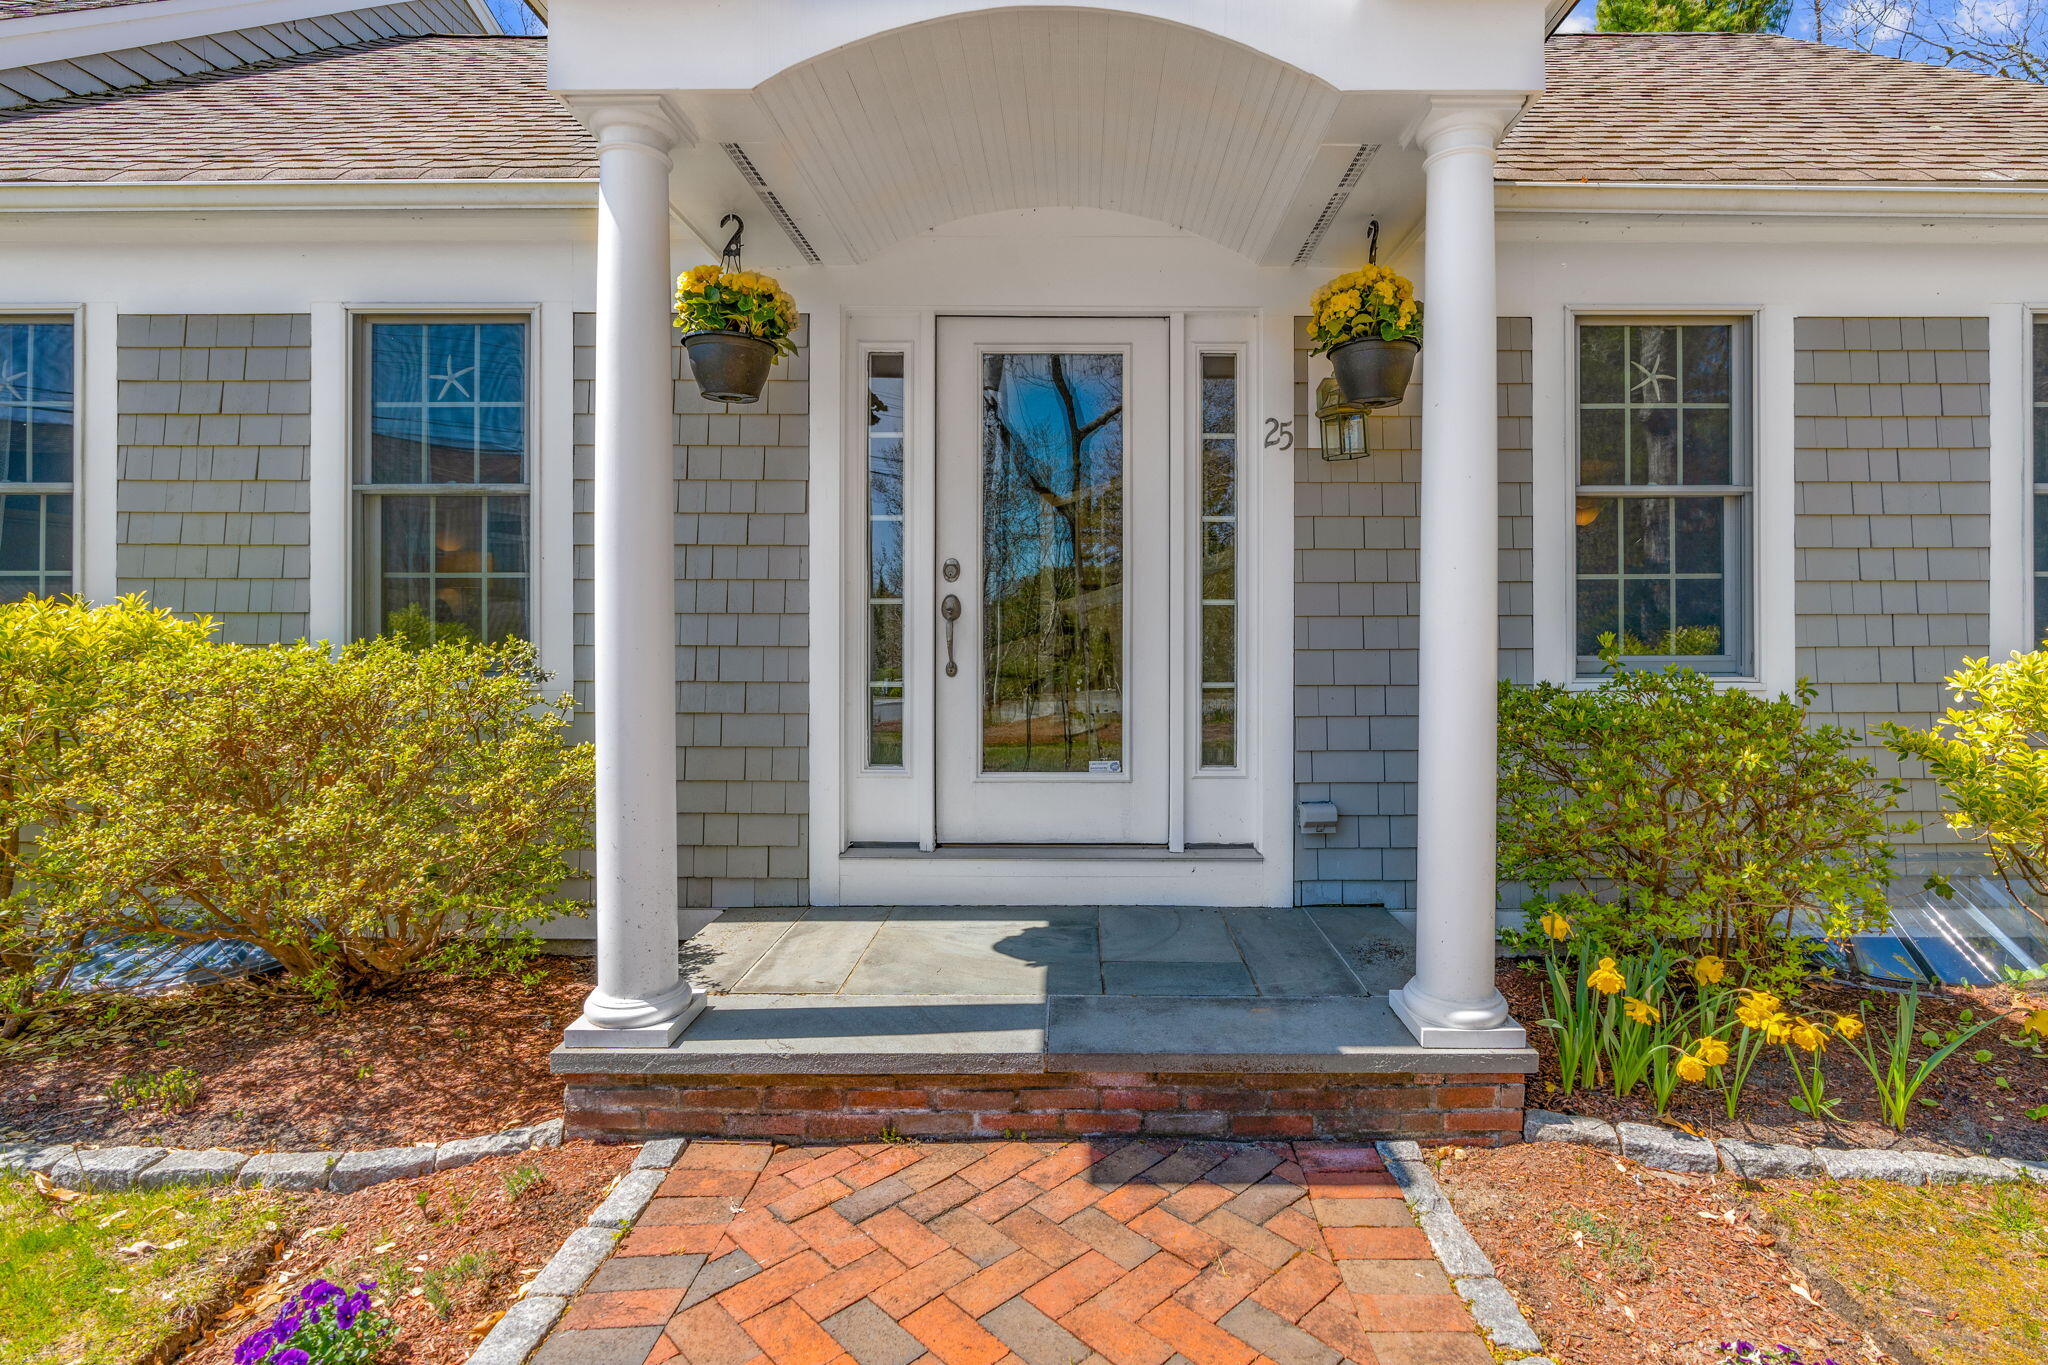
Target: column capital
<point x="635" y="120"/>
<point x="1463" y="123"/>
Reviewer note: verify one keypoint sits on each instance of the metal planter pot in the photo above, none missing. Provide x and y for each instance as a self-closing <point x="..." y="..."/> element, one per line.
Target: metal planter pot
<point x="730" y="367"/>
<point x="1374" y="373"/>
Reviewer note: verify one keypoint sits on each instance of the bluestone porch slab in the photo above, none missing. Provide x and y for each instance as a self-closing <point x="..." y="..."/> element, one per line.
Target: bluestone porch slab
<point x="815" y="955"/>
<point x="1288" y="954"/>
<point x="1331" y="1033"/>
<point x="1164" y="933"/>
<point x="980" y="955"/>
<point x="838" y="1034"/>
<point x="1177" y="979"/>
<point x="1379" y="949"/>
<point x="729" y="946"/>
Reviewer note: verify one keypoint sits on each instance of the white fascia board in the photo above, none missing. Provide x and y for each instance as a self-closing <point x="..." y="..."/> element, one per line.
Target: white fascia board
<point x="186" y="196"/>
<point x="1636" y="197"/>
<point x="85" y="33"/>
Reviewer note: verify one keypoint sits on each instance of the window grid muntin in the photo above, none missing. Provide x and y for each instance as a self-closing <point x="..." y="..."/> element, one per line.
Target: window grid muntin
<point x="883" y="521"/>
<point x="1219" y="525"/>
<point x="38" y="395"/>
<point x="1735" y="495"/>
<point x="377" y="498"/>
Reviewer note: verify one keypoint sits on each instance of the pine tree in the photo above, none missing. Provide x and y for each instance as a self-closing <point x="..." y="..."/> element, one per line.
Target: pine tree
<point x="1692" y="16"/>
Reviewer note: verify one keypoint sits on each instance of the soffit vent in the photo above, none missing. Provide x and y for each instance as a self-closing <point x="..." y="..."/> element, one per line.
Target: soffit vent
<point x="1334" y="205"/>
<point x="769" y="198"/>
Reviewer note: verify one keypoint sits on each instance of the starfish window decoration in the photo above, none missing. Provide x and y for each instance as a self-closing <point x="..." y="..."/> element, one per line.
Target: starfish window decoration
<point x="452" y="378"/>
<point x="14" y="385"/>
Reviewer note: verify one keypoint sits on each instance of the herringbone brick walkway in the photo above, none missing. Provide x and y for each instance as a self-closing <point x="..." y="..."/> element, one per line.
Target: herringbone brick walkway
<point x="1039" y="1253"/>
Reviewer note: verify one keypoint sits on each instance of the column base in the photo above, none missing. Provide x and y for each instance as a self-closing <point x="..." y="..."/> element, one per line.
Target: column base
<point x="663" y="1033"/>
<point x="1429" y="1033"/>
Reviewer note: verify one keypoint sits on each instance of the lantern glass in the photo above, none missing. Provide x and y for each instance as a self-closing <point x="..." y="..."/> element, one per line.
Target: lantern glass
<point x="1343" y="424"/>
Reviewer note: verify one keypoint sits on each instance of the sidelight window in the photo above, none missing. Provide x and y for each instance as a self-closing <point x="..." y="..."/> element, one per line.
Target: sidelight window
<point x="37" y="455"/>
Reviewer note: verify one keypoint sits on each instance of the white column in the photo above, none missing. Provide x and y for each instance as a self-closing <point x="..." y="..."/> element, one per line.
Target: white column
<point x="641" y="999"/>
<point x="1451" y="1000"/>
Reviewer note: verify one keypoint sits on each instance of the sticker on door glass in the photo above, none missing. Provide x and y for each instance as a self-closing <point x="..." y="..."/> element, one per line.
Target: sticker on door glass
<point x="1105" y="765"/>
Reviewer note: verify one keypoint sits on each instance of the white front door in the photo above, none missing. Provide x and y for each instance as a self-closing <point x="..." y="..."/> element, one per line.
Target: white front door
<point x="1053" y="671"/>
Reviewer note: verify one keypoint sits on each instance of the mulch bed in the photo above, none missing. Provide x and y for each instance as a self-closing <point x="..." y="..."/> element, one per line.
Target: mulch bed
<point x="1973" y="1114"/>
<point x="1616" y="1264"/>
<point x="442" y="1057"/>
<point x="448" y="1252"/>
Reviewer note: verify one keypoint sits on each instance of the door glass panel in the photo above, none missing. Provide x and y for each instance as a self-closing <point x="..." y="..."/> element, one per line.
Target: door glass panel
<point x="1052" y="498"/>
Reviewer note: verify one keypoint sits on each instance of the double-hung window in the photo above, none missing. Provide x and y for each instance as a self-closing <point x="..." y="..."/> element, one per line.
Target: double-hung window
<point x="2040" y="415"/>
<point x="443" y="469"/>
<point x="37" y="455"/>
<point x="1663" y="494"/>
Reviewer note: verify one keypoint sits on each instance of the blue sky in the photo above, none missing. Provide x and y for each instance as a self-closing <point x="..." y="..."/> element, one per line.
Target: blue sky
<point x="515" y="17"/>
<point x="1801" y="25"/>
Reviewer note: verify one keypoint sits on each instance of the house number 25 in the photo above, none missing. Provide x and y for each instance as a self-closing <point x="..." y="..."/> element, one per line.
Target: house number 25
<point x="1279" y="434"/>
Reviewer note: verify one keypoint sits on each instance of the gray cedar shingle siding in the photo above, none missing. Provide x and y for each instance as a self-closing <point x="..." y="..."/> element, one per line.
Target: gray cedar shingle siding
<point x="742" y="629"/>
<point x="1893" y="468"/>
<point x="211" y="512"/>
<point x="1356" y="537"/>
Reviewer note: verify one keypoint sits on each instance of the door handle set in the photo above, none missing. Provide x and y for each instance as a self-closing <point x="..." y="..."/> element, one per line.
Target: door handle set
<point x="950" y="609"/>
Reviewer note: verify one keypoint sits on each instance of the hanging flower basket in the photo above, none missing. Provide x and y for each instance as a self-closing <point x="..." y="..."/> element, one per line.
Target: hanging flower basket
<point x="730" y="367"/>
<point x="1372" y="373"/>
<point x="1370" y="326"/>
<point x="736" y="324"/>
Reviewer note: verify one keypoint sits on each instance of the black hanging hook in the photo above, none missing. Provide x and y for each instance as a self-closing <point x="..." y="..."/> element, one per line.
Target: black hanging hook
<point x="1372" y="242"/>
<point x="729" y="259"/>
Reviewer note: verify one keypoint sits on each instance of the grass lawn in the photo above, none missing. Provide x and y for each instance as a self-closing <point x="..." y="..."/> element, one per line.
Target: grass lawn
<point x="1960" y="1272"/>
<point x="105" y="1278"/>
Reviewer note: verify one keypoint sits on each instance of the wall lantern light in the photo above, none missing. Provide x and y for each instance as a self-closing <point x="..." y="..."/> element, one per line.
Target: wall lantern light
<point x="1343" y="423"/>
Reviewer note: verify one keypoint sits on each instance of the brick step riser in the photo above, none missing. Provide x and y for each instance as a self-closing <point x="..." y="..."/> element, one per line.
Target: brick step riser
<point x="1473" y="1110"/>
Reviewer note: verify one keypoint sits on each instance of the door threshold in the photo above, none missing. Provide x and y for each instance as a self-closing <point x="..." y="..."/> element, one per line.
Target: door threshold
<point x="1210" y="853"/>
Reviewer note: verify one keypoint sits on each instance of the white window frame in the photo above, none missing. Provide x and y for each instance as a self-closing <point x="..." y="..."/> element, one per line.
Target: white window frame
<point x="361" y="571"/>
<point x="1738" y="541"/>
<point x="85" y="580"/>
<point x="2031" y="403"/>
<point x="1768" y="427"/>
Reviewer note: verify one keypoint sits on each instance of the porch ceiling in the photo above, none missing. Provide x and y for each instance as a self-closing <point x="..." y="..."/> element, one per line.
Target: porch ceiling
<point x="875" y="142"/>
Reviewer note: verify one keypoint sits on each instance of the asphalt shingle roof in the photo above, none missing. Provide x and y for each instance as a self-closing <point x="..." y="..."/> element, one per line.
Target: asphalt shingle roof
<point x="31" y="9"/>
<point x="1720" y="107"/>
<point x="435" y="108"/>
<point x="1675" y="107"/>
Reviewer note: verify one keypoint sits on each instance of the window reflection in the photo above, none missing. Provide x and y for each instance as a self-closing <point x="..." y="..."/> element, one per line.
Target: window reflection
<point x="447" y="421"/>
<point x="1052" y="562"/>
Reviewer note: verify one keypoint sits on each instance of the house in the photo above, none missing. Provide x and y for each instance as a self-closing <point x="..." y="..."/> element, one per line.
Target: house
<point x="1024" y="603"/>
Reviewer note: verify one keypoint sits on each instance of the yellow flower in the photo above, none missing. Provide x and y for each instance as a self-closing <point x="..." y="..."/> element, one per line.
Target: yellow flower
<point x="1642" y="1011"/>
<point x="1604" y="978"/>
<point x="1556" y="925"/>
<point x="1809" y="1036"/>
<point x="1848" y="1025"/>
<point x="1778" y="1027"/>
<point x="1691" y="1068"/>
<point x="1712" y="1051"/>
<point x="1757" y="1009"/>
<point x="2036" y="1024"/>
<point x="1709" y="970"/>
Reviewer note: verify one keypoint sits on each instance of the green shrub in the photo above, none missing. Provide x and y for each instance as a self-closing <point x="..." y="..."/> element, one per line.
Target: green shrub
<point x="57" y="656"/>
<point x="359" y="814"/>
<point x="1688" y="815"/>
<point x="1989" y="752"/>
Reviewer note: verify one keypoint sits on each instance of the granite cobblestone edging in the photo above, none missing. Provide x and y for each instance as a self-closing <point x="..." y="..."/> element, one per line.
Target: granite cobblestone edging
<point x="1469" y="1267"/>
<point x="338" y="1172"/>
<point x="1669" y="1150"/>
<point x="546" y="1297"/>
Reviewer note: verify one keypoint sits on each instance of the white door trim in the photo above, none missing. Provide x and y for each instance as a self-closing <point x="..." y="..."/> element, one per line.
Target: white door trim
<point x="909" y="870"/>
